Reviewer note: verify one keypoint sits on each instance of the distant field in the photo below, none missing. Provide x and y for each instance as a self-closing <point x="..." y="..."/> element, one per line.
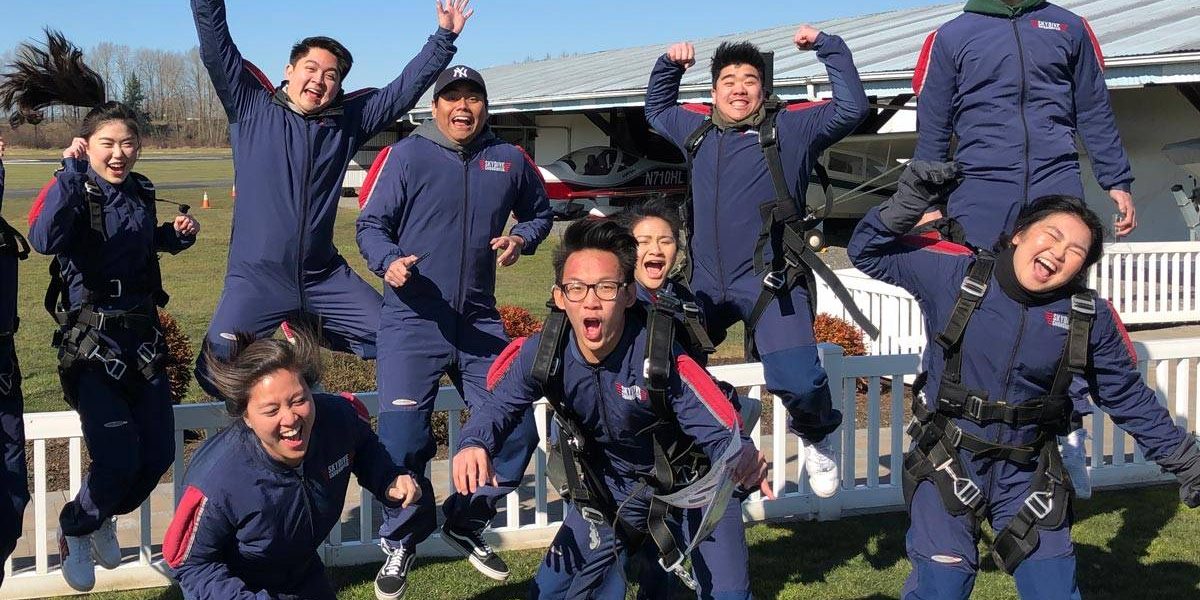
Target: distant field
<point x="194" y="278"/>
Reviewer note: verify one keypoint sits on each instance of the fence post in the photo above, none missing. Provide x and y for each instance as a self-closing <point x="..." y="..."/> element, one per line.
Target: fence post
<point x="832" y="359"/>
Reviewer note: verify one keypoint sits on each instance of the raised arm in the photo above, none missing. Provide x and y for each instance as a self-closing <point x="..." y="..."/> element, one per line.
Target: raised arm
<point x="59" y="208"/>
<point x="387" y="104"/>
<point x="934" y="83"/>
<point x="663" y="113"/>
<point x="237" y="82"/>
<point x="831" y="122"/>
<point x="881" y="248"/>
<point x="193" y="548"/>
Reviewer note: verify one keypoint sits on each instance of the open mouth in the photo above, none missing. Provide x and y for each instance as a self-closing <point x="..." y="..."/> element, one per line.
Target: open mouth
<point x="312" y="96"/>
<point x="592" y="329"/>
<point x="1044" y="269"/>
<point x="462" y="121"/>
<point x="293" y="439"/>
<point x="117" y="168"/>
<point x="655" y="268"/>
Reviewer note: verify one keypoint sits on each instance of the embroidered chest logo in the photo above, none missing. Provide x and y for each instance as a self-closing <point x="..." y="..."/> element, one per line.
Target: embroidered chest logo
<point x="1054" y="319"/>
<point x="499" y="166"/>
<point x="338" y="466"/>
<point x="632" y="393"/>
<point x="1049" y="25"/>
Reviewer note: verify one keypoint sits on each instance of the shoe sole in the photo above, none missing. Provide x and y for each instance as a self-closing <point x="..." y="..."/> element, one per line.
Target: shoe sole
<point x="380" y="595"/>
<point x="475" y="561"/>
<point x="98" y="561"/>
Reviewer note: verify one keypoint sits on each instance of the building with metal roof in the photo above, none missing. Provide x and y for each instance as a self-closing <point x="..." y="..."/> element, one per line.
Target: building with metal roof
<point x="1145" y="42"/>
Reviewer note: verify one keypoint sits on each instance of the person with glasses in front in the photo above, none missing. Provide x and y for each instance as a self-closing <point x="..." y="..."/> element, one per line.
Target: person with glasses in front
<point x="604" y="387"/>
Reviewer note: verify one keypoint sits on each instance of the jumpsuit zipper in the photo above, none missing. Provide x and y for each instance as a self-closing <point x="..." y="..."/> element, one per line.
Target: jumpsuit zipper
<point x="462" y="256"/>
<point x="717" y="215"/>
<point x="1012" y="358"/>
<point x="1021" y="108"/>
<point x="600" y="400"/>
<point x="304" y="202"/>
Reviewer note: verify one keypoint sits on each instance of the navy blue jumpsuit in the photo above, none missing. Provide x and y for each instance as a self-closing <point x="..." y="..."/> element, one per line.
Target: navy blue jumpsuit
<point x="248" y="527"/>
<point x="1011" y="349"/>
<point x="612" y="405"/>
<point x="128" y="423"/>
<point x="730" y="180"/>
<point x="14" y="491"/>
<point x="288" y="169"/>
<point x="428" y="197"/>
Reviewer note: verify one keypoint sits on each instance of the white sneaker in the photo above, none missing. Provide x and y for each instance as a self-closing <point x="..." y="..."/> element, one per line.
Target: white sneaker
<point x="77" y="566"/>
<point x="1074" y="455"/>
<point x="105" y="547"/>
<point x="820" y="460"/>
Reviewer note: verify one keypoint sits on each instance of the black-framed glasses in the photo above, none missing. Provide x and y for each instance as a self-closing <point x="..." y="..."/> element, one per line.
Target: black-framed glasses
<point x="576" y="291"/>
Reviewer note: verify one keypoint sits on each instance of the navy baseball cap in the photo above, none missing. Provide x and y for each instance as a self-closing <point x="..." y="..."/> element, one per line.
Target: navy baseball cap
<point x="458" y="73"/>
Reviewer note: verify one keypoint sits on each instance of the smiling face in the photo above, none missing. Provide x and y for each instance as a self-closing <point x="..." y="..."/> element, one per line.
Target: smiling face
<point x="597" y="323"/>
<point x="738" y="92"/>
<point x="281" y="413"/>
<point x="657" y="250"/>
<point x="1051" y="252"/>
<point x="313" y="80"/>
<point x="112" y="150"/>
<point x="460" y="111"/>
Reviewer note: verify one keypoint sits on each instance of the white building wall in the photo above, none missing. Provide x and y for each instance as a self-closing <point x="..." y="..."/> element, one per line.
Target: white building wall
<point x="1148" y="119"/>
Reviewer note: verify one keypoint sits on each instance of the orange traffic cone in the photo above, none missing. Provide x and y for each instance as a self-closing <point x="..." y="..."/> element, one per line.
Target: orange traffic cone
<point x="204" y="203"/>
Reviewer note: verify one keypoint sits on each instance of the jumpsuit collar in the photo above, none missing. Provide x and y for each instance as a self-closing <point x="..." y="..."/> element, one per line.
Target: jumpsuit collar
<point x="430" y="131"/>
<point x="1006" y="276"/>
<point x="999" y="8"/>
<point x="335" y="109"/>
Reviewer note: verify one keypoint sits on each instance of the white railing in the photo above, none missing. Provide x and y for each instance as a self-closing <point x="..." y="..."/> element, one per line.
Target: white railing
<point x="872" y="450"/>
<point x="1147" y="282"/>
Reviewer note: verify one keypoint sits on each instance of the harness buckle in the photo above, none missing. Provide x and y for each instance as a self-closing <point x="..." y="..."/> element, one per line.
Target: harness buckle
<point x="1040" y="503"/>
<point x="973" y="407"/>
<point x="591" y="515"/>
<point x="691" y="308"/>
<point x="119" y="287"/>
<point x="114" y="366"/>
<point x="1083" y="303"/>
<point x="146" y="352"/>
<point x="101" y="319"/>
<point x="775" y="280"/>
<point x="973" y="287"/>
<point x="679" y="571"/>
<point x="964" y="488"/>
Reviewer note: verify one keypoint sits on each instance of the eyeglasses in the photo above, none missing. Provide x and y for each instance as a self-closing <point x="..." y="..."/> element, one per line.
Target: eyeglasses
<point x="576" y="291"/>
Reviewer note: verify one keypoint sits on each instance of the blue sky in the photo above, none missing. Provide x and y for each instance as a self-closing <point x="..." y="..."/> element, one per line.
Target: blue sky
<point x="384" y="34"/>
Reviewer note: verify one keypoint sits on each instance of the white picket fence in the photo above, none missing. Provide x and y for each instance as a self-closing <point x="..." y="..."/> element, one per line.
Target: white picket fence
<point x="1147" y="282"/>
<point x="872" y="451"/>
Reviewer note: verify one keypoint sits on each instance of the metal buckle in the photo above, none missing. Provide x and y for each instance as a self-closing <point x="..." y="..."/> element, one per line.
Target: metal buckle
<point x="1040" y="503"/>
<point x="146" y="352"/>
<point x="955" y="433"/>
<point x="679" y="572"/>
<point x="120" y="288"/>
<point x="973" y="407"/>
<point x="775" y="280"/>
<point x="114" y="366"/>
<point x="592" y="515"/>
<point x="5" y="384"/>
<point x="964" y="488"/>
<point x="101" y="319"/>
<point x="973" y="287"/>
<point x="691" y="308"/>
<point x="1083" y="303"/>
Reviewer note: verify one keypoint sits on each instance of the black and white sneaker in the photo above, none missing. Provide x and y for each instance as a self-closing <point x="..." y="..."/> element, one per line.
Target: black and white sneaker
<point x="472" y="545"/>
<point x="392" y="579"/>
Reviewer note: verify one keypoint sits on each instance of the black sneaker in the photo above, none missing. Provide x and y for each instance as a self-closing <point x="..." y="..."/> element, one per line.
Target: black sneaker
<point x="472" y="545"/>
<point x="392" y="579"/>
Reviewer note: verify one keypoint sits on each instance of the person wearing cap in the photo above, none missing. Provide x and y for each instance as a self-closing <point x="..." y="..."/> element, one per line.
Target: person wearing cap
<point x="434" y="208"/>
<point x="291" y="145"/>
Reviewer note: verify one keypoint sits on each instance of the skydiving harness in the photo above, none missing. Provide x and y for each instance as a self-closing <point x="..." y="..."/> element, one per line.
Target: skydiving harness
<point x="79" y="338"/>
<point x="682" y="305"/>
<point x="787" y="230"/>
<point x="937" y="440"/>
<point x="573" y="458"/>
<point x="13" y="244"/>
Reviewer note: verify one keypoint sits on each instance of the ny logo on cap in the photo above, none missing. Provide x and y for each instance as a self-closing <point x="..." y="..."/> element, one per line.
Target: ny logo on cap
<point x="460" y="72"/>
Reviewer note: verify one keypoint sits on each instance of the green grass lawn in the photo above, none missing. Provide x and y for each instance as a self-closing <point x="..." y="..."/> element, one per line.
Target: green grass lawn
<point x="1130" y="544"/>
<point x="194" y="277"/>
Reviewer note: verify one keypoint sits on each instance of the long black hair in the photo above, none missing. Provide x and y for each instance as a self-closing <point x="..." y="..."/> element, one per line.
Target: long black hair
<point x="1049" y="205"/>
<point x="54" y="73"/>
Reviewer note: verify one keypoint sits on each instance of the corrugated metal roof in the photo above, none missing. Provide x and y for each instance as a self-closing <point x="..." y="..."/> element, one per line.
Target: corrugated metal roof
<point x="885" y="47"/>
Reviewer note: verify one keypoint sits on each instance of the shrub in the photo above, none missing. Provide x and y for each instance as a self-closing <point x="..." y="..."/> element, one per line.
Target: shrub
<point x="178" y="363"/>
<point x="836" y="330"/>
<point x="518" y="322"/>
<point x="345" y="372"/>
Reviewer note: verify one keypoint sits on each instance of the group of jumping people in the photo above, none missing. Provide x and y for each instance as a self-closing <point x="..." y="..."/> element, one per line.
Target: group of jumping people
<point x="992" y="239"/>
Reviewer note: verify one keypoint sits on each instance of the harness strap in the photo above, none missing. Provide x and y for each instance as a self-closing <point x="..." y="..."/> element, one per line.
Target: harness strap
<point x="1046" y="507"/>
